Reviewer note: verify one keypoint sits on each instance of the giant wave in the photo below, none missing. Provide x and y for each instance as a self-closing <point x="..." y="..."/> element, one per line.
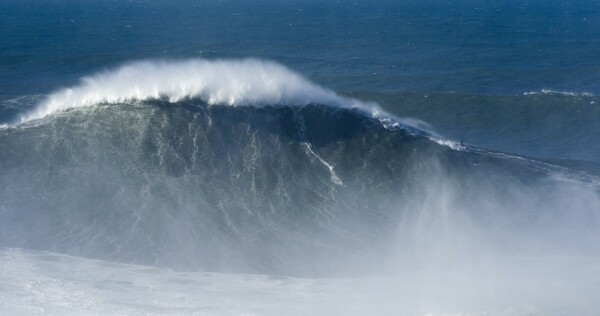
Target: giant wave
<point x="137" y="165"/>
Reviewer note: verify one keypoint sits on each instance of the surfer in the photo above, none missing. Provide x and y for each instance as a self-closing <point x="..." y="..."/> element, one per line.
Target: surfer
<point x="463" y="145"/>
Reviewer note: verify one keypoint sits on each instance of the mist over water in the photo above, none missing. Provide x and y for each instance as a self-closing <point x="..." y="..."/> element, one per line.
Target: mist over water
<point x="209" y="175"/>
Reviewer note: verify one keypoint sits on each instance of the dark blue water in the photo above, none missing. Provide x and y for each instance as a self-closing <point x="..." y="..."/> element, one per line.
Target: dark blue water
<point x="495" y="47"/>
<point x="459" y="51"/>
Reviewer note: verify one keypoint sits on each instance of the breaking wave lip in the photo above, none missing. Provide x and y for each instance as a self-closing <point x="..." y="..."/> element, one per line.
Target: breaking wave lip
<point x="244" y="82"/>
<point x="235" y="82"/>
<point x="223" y="82"/>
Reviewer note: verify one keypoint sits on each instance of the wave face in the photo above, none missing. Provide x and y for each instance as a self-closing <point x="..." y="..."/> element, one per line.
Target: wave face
<point x="154" y="182"/>
<point x="303" y="184"/>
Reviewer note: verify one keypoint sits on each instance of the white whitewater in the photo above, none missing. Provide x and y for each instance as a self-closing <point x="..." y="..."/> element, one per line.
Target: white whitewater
<point x="224" y="82"/>
<point x="239" y="82"/>
<point x="44" y="283"/>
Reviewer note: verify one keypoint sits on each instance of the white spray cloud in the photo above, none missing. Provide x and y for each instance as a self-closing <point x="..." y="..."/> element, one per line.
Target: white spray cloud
<point x="223" y="82"/>
<point x="241" y="82"/>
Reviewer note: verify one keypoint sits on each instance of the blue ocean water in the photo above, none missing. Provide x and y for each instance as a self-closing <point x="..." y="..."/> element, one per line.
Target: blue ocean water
<point x="497" y="47"/>
<point x="309" y="139"/>
<point x="457" y="51"/>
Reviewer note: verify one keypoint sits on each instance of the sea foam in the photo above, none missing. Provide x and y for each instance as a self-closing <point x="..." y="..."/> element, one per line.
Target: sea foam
<point x="224" y="82"/>
<point x="235" y="82"/>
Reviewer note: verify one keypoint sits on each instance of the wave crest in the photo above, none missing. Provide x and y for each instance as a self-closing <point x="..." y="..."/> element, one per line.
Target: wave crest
<point x="226" y="82"/>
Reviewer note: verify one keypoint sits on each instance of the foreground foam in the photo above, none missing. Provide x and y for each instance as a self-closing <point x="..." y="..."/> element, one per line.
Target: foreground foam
<point x="224" y="82"/>
<point x="46" y="283"/>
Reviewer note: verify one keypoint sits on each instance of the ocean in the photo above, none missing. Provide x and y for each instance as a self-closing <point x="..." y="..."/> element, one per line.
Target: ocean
<point x="299" y="157"/>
